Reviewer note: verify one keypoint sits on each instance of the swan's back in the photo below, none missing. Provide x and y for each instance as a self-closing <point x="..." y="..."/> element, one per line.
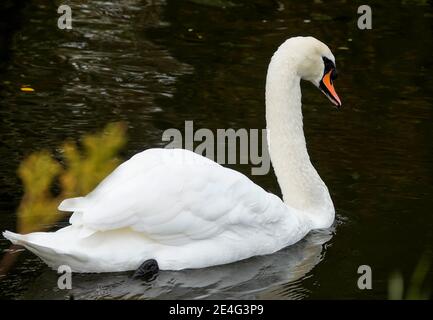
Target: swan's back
<point x="173" y="196"/>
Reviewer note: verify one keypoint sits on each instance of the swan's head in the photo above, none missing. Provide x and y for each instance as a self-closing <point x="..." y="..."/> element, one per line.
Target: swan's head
<point x="316" y="64"/>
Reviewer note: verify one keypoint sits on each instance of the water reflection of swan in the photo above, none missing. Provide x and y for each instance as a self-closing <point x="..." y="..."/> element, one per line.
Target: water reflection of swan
<point x="186" y="211"/>
<point x="276" y="276"/>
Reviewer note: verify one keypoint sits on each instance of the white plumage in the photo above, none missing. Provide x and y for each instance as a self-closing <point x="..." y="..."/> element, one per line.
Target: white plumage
<point x="186" y="211"/>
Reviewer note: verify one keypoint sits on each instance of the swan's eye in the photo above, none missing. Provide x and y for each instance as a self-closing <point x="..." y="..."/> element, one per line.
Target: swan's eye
<point x="329" y="65"/>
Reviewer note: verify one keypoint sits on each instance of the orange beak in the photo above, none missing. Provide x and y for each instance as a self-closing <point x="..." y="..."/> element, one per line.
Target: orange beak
<point x="327" y="87"/>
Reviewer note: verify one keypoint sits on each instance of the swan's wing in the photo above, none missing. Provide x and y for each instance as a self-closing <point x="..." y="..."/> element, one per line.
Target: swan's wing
<point x="174" y="197"/>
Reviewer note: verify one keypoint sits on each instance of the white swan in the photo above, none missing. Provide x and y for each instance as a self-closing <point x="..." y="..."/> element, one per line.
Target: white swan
<point x="186" y="211"/>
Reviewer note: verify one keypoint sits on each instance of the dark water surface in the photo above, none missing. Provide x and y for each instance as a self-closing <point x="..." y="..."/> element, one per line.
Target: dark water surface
<point x="155" y="64"/>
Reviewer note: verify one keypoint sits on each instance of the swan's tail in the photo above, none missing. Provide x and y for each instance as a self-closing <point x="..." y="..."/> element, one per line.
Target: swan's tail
<point x="110" y="251"/>
<point x="15" y="238"/>
<point x="38" y="244"/>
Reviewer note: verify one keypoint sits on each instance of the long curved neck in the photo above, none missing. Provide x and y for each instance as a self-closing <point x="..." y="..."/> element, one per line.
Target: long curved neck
<point x="300" y="184"/>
